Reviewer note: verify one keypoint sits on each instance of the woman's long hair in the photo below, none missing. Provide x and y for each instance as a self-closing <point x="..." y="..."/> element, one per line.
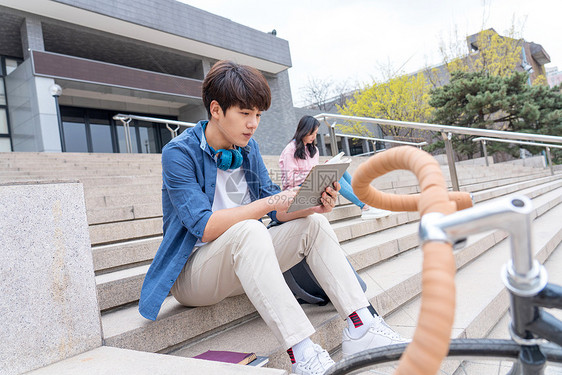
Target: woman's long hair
<point x="307" y="125"/>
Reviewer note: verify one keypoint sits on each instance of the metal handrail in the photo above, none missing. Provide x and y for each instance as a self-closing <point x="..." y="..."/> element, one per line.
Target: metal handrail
<point x="547" y="146"/>
<point x="446" y="130"/>
<point x="126" y="119"/>
<point x="373" y="139"/>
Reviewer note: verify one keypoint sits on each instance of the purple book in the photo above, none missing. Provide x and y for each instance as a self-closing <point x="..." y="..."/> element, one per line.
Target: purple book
<point x="227" y="356"/>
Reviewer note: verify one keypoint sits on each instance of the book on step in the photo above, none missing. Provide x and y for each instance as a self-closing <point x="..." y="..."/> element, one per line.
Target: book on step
<point x="227" y="356"/>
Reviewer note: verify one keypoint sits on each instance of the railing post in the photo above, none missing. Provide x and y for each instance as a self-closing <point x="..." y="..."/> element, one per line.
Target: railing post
<point x="549" y="161"/>
<point x="451" y="160"/>
<point x="127" y="134"/>
<point x="333" y="139"/>
<point x="345" y="146"/>
<point x="173" y="132"/>
<point x="485" y="153"/>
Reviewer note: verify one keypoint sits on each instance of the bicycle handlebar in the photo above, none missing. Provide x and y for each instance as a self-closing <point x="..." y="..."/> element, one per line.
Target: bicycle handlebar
<point x="430" y="343"/>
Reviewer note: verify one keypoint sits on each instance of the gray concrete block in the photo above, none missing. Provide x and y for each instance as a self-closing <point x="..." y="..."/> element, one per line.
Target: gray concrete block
<point x="48" y="306"/>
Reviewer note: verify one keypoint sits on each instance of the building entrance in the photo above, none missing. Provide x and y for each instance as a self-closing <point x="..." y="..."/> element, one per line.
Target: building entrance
<point x="94" y="130"/>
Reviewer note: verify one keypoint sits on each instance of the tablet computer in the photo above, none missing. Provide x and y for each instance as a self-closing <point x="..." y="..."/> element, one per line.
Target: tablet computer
<point x="318" y="179"/>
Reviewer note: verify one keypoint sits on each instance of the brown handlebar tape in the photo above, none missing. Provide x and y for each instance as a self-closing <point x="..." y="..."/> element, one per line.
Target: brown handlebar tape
<point x="427" y="171"/>
<point x="430" y="343"/>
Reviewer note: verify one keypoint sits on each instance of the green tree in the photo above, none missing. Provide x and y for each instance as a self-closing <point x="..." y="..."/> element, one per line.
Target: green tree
<point x="403" y="98"/>
<point x="482" y="100"/>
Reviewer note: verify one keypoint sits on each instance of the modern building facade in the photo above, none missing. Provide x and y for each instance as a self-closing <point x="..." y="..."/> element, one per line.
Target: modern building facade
<point x="554" y="76"/>
<point x="146" y="58"/>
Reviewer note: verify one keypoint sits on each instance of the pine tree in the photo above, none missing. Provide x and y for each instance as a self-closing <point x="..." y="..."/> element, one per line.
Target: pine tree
<point x="482" y="100"/>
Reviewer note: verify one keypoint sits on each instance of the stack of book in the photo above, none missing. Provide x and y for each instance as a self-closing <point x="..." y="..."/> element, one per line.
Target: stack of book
<point x="250" y="359"/>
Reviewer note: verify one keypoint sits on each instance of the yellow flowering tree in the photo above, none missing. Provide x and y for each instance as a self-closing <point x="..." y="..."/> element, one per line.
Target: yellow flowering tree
<point x="402" y="98"/>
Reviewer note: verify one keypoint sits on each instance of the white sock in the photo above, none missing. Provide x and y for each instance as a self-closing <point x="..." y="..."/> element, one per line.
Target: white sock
<point x="359" y="322"/>
<point x="298" y="349"/>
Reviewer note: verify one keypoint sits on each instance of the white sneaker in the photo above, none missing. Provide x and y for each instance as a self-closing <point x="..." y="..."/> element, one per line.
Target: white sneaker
<point x="374" y="213"/>
<point x="379" y="334"/>
<point x="318" y="362"/>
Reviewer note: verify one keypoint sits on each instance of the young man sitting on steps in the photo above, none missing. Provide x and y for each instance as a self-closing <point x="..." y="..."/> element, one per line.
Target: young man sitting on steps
<point x="215" y="189"/>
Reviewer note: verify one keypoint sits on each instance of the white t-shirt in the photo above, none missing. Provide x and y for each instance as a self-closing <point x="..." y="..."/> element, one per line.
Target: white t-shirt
<point x="231" y="190"/>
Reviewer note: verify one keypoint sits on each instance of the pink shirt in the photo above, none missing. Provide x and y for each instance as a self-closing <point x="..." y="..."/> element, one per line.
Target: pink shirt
<point x="293" y="170"/>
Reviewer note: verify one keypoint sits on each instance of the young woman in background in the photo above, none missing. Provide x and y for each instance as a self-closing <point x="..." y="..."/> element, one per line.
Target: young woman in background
<point x="301" y="154"/>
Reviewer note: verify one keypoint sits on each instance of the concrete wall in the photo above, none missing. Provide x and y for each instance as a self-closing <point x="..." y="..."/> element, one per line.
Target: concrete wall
<point x="49" y="307"/>
<point x="192" y="113"/>
<point x="538" y="161"/>
<point x="33" y="113"/>
<point x="278" y="124"/>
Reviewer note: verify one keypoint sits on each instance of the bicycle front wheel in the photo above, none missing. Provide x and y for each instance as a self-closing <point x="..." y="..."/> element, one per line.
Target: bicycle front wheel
<point x="465" y="357"/>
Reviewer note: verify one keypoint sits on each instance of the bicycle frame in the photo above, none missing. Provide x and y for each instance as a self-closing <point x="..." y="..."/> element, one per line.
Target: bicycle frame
<point x="524" y="277"/>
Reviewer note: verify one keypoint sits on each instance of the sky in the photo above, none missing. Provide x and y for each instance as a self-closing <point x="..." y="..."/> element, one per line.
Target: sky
<point x="355" y="41"/>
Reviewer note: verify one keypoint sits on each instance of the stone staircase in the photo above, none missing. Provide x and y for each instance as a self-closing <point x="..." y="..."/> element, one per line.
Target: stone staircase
<point x="123" y="201"/>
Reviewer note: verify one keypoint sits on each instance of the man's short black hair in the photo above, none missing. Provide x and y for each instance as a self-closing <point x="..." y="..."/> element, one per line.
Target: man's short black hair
<point x="231" y="84"/>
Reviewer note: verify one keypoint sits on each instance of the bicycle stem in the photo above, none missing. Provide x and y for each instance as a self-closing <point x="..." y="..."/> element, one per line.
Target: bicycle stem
<point x="525" y="278"/>
<point x="511" y="214"/>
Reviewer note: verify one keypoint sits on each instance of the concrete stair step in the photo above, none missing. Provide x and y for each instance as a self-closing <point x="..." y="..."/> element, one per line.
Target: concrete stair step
<point x="390" y="284"/>
<point x="108" y="360"/>
<point x="124" y="213"/>
<point x="148" y="178"/>
<point x="480" y="298"/>
<point x="65" y="171"/>
<point x="500" y="182"/>
<point x="112" y="201"/>
<point x="120" y="287"/>
<point x="125" y="230"/>
<point x="140" y="189"/>
<point x="130" y="253"/>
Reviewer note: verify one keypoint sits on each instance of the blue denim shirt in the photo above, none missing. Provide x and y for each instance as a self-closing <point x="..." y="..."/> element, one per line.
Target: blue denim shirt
<point x="189" y="173"/>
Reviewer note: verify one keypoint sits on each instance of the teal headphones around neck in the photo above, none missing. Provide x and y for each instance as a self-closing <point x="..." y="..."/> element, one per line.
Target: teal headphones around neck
<point x="226" y="159"/>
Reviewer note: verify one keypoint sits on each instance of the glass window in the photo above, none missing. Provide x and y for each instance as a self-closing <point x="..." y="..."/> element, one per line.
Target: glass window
<point x="101" y="138"/>
<point x="100" y="131"/>
<point x="3" y="121"/>
<point x="147" y="137"/>
<point x="5" y="145"/>
<point x="121" y="139"/>
<point x="2" y="92"/>
<point x="75" y="136"/>
<point x="11" y="65"/>
<point x="165" y="135"/>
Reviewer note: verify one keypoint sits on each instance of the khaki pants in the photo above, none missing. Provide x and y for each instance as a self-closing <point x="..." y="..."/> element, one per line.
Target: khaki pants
<point x="248" y="258"/>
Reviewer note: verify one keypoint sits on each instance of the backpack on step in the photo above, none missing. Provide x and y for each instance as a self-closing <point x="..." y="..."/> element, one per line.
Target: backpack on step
<point x="306" y="288"/>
